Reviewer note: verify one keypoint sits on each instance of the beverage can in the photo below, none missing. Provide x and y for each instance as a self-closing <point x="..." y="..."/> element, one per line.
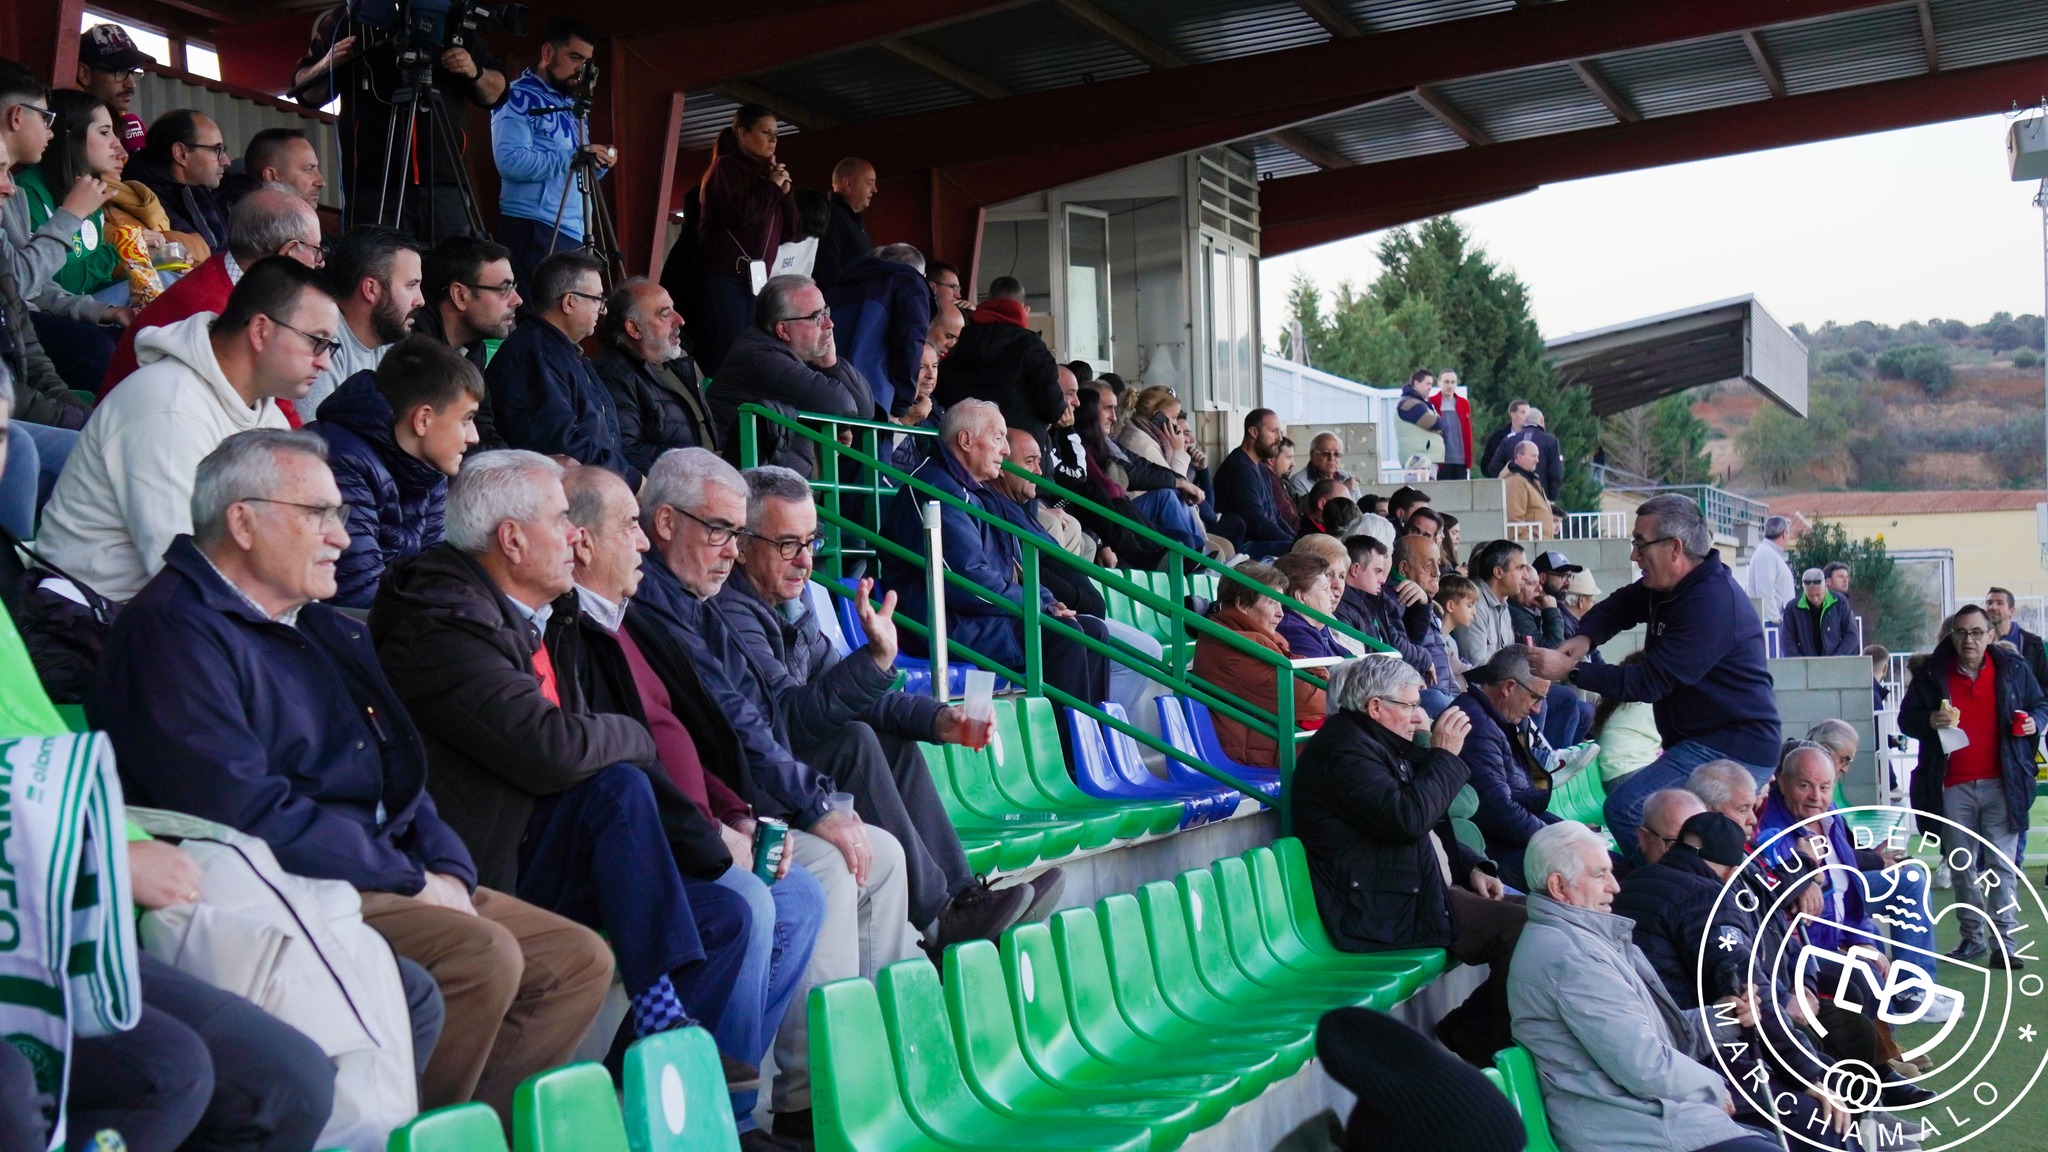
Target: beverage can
<point x="771" y="840"/>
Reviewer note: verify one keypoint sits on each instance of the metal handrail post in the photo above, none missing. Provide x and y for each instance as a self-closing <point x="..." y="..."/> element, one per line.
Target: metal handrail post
<point x="1034" y="625"/>
<point x="935" y="596"/>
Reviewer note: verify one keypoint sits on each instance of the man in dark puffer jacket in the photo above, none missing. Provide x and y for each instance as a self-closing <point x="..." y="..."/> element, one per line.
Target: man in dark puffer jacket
<point x="1001" y="360"/>
<point x="394" y="437"/>
<point x="1673" y="904"/>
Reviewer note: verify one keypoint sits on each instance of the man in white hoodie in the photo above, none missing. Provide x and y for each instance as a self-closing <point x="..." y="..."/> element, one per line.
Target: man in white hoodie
<point x="127" y="489"/>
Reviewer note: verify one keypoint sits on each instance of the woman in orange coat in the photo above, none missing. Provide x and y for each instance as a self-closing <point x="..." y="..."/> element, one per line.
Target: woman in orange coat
<point x="1255" y="617"/>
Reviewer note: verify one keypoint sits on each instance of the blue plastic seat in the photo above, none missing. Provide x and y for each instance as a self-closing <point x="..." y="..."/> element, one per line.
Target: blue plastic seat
<point x="1180" y="733"/>
<point x="1207" y="800"/>
<point x="1097" y="773"/>
<point x="917" y="671"/>
<point x="1202" y="725"/>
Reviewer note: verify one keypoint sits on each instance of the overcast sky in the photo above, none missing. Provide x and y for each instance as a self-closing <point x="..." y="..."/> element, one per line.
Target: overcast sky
<point x="1901" y="225"/>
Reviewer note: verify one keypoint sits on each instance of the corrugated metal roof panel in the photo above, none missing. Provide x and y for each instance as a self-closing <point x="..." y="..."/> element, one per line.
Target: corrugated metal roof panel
<point x="1968" y="32"/>
<point x="1387" y="15"/>
<point x="1690" y="77"/>
<point x="1859" y="48"/>
<point x="1388" y="130"/>
<point x="704" y="113"/>
<point x="1031" y="49"/>
<point x="1276" y="160"/>
<point x="1531" y="102"/>
<point x="1200" y="31"/>
<point x="865" y="84"/>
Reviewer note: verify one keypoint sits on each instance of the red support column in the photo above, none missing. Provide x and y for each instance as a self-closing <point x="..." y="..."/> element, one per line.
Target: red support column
<point x="262" y="56"/>
<point x="641" y="114"/>
<point x="43" y="36"/>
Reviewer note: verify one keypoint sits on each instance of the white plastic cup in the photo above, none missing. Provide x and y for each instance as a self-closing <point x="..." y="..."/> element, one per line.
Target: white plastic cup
<point x="979" y="708"/>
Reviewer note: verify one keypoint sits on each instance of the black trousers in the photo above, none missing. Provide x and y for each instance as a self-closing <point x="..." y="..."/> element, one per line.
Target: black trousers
<point x="79" y="351"/>
<point x="892" y="789"/>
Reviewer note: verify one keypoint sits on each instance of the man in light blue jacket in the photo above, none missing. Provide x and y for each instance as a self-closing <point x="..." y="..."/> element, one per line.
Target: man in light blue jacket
<point x="534" y="136"/>
<point x="1622" y="1068"/>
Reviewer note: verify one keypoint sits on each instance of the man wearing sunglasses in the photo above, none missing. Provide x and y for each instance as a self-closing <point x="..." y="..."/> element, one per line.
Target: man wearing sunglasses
<point x="127" y="491"/>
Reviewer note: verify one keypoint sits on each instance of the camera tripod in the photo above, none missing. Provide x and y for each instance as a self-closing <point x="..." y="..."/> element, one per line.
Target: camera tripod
<point x="414" y="100"/>
<point x="600" y="238"/>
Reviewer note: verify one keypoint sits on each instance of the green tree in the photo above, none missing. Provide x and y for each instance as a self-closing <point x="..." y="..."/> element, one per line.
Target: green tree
<point x="1892" y="614"/>
<point x="1924" y="364"/>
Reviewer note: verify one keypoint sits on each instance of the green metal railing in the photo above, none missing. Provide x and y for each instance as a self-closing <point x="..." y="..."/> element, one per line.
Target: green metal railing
<point x="856" y="471"/>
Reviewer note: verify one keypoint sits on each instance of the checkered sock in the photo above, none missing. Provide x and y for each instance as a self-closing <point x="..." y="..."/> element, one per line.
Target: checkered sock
<point x="656" y="1009"/>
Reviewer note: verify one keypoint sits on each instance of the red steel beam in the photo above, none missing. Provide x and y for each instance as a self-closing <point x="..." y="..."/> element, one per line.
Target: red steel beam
<point x="42" y="36"/>
<point x="1292" y="236"/>
<point x="1328" y="205"/>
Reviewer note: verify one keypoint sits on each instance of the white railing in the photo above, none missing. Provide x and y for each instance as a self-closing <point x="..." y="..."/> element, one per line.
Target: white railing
<point x="1610" y="525"/>
<point x="1524" y="531"/>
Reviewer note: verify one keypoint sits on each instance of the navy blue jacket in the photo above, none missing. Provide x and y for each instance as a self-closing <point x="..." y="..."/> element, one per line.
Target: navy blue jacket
<point x="1307" y="639"/>
<point x="1514" y="790"/>
<point x="1834" y="634"/>
<point x="1242" y="487"/>
<point x="1069" y="586"/>
<point x="980" y="552"/>
<point x="881" y="312"/>
<point x="1672" y="903"/>
<point x="290" y="734"/>
<point x="1384" y="619"/>
<point x="653" y="416"/>
<point x="759" y="369"/>
<point x="2017" y="692"/>
<point x="396" y="502"/>
<point x="546" y="396"/>
<point x="1703" y="670"/>
<point x="2031" y="649"/>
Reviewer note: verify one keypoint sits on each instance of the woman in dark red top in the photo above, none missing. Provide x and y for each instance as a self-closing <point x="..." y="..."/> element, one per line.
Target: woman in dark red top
<point x="745" y="213"/>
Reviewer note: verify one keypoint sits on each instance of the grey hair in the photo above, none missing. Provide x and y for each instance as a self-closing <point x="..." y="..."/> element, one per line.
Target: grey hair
<point x="773" y="306"/>
<point x="1794" y="749"/>
<point x="1776" y="526"/>
<point x="1354" y="684"/>
<point x="1716" y="782"/>
<point x="242" y="467"/>
<point x="1837" y="736"/>
<point x="770" y="482"/>
<point x="494" y="487"/>
<point x="1553" y="852"/>
<point x="902" y="254"/>
<point x="679" y="478"/>
<point x="1665" y="797"/>
<point x="1534" y="414"/>
<point x="586" y="487"/>
<point x="1679" y="517"/>
<point x="968" y="416"/>
<point x="266" y="220"/>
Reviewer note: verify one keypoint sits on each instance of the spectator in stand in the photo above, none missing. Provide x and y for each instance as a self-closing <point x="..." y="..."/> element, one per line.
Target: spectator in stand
<point x="822" y="703"/>
<point x="746" y="213"/>
<point x="1770" y="573"/>
<point x="545" y="396"/>
<point x="471" y="297"/>
<point x="949" y="291"/>
<point x="265" y="223"/>
<point x="922" y="412"/>
<point x="554" y="800"/>
<point x="125" y="493"/>
<point x="108" y="63"/>
<point x="1555" y="572"/>
<point x="1731" y="789"/>
<point x="1969" y="684"/>
<point x="1403" y="504"/>
<point x="1449" y="543"/>
<point x="1071" y="465"/>
<point x="1325" y="462"/>
<point x="845" y="240"/>
<point x="1419" y="434"/>
<point x="1626" y="731"/>
<point x="33" y="255"/>
<point x="1001" y="360"/>
<point x="182" y="162"/>
<point x="1163" y="495"/>
<point x="1157" y="434"/>
<point x="1455" y="426"/>
<point x="48" y="415"/>
<point x="788" y="361"/>
<point x="881" y="314"/>
<point x="232" y="695"/>
<point x="376" y="276"/>
<point x="394" y="437"/>
<point x="1416" y="563"/>
<point x="1254" y="616"/>
<point x="1704" y="668"/>
<point x="83" y="147"/>
<point x="1621" y="1066"/>
<point x="1497" y="569"/>
<point x="1528" y="510"/>
<point x="1671" y="898"/>
<point x="1341" y="517"/>
<point x="1664" y="814"/>
<point x="1880" y="667"/>
<point x="1391" y="616"/>
<point x="280" y="156"/>
<point x="1369" y="805"/>
<point x="1581" y="592"/>
<point x="1312" y="504"/>
<point x="1424" y="521"/>
<point x="652" y="381"/>
<point x="1817" y="624"/>
<point x="1506" y="757"/>
<point x="1533" y="612"/>
<point x="1244" y="486"/>
<point x="2001" y="608"/>
<point x="945" y="329"/>
<point x="1838" y="578"/>
<point x="536" y="140"/>
<point x="1278" y="469"/>
<point x="1309" y="581"/>
<point x="1057" y="523"/>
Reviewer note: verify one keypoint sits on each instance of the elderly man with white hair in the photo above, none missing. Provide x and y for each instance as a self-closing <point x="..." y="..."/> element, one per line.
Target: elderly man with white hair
<point x="1622" y="1067"/>
<point x="1728" y="788"/>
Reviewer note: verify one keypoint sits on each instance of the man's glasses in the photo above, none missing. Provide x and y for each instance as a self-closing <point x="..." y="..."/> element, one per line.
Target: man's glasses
<point x="1636" y="545"/>
<point x="504" y="290"/>
<point x="320" y="251"/>
<point x="322" y="346"/>
<point x="1406" y="705"/>
<point x="787" y="549"/>
<point x="716" y="535"/>
<point x="329" y="515"/>
<point x="49" y="117"/>
<point x="817" y="317"/>
<point x="220" y="150"/>
<point x="599" y="301"/>
<point x="1970" y="633"/>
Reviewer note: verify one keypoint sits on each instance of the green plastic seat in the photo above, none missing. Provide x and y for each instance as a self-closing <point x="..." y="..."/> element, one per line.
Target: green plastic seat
<point x="995" y="783"/>
<point x="975" y="806"/>
<point x="1308" y="923"/>
<point x="472" y="1127"/>
<point x="1102" y="1024"/>
<point x="675" y="1095"/>
<point x="1494" y="1078"/>
<point x="568" y="1109"/>
<point x="1231" y="885"/>
<point x="1037" y="993"/>
<point x="1518" y="1069"/>
<point x="1414" y="967"/>
<point x="1141" y="991"/>
<point x="1582" y="797"/>
<point x="993" y="1059"/>
<point x="936" y="1094"/>
<point x="73" y="716"/>
<point x="854" y="1103"/>
<point x="1016" y="777"/>
<point x="1463" y="806"/>
<point x="1038" y="728"/>
<point x="1198" y="945"/>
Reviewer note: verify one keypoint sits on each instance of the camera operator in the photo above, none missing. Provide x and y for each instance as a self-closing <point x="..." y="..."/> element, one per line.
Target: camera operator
<point x="363" y="69"/>
<point x="535" y="135"/>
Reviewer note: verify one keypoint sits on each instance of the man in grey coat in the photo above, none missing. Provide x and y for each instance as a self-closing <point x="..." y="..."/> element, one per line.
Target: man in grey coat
<point x="1622" y="1067"/>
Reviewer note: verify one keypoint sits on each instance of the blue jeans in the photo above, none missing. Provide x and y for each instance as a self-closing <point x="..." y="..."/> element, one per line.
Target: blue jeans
<point x="532" y="241"/>
<point x="1563" y="719"/>
<point x="723" y="309"/>
<point x="35" y="456"/>
<point x="785" y="920"/>
<point x="1173" y="517"/>
<point x="1624" y="810"/>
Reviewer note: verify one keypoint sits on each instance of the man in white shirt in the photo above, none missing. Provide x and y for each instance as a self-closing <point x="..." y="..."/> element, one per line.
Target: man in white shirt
<point x="376" y="276"/>
<point x="1770" y="574"/>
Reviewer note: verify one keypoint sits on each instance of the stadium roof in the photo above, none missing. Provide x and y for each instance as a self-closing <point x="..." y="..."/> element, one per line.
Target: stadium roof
<point x="1628" y="365"/>
<point x="1361" y="113"/>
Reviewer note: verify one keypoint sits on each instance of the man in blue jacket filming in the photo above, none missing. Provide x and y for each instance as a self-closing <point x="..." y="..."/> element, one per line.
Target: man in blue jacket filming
<point x="535" y="137"/>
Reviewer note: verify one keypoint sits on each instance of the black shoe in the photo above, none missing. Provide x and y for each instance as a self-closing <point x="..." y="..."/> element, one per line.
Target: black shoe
<point x="1969" y="951"/>
<point x="1468" y="1042"/>
<point x="979" y="912"/>
<point x="739" y="1076"/>
<point x="1903" y="1095"/>
<point x="794" y="1125"/>
<point x="2006" y="960"/>
<point x="761" y="1140"/>
<point x="1046" y="889"/>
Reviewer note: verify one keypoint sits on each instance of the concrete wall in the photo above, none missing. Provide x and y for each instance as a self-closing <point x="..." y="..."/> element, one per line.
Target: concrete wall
<point x="1479" y="505"/>
<point x="1815" y="688"/>
<point x="1990" y="547"/>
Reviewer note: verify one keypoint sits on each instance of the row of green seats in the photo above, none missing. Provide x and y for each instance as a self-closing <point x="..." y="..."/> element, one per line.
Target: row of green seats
<point x="1123" y="609"/>
<point x="675" y="1102"/>
<point x="1121" y="1028"/>
<point x="1015" y="803"/>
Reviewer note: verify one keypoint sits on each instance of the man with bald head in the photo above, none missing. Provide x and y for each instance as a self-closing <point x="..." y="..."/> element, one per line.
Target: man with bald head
<point x="945" y="330"/>
<point x="653" y="382"/>
<point x="846" y="237"/>
<point x="1325" y="462"/>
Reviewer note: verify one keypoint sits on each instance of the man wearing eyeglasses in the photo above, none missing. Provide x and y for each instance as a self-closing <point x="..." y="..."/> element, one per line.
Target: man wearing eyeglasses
<point x="1703" y="671"/>
<point x="472" y="296"/>
<point x="183" y="163"/>
<point x="1506" y="754"/>
<point x="126" y="493"/>
<point x="108" y="63"/>
<point x="545" y="394"/>
<point x="788" y="361"/>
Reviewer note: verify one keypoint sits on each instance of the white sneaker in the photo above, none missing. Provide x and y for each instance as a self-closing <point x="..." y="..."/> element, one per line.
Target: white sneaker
<point x="1939" y="1011"/>
<point x="1942" y="878"/>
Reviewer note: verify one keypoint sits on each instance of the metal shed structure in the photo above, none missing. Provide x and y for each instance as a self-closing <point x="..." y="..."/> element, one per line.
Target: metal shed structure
<point x="1628" y="365"/>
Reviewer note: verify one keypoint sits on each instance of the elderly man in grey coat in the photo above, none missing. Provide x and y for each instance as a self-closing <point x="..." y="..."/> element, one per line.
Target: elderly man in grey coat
<point x="1622" y="1067"/>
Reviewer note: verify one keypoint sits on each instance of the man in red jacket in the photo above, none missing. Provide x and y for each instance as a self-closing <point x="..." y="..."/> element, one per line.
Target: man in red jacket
<point x="266" y="222"/>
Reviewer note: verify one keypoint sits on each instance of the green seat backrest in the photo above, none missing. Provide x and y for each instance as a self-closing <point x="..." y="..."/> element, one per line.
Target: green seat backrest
<point x="913" y="1008"/>
<point x="1038" y="726"/>
<point x="1238" y="906"/>
<point x="568" y="1109"/>
<point x="472" y="1127"/>
<point x="1519" y="1070"/>
<point x="1038" y="999"/>
<point x="1465" y="804"/>
<point x="1091" y="998"/>
<point x="1194" y="892"/>
<point x="1271" y="895"/>
<point x="675" y="1095"/>
<point x="1166" y="925"/>
<point x="1301" y="896"/>
<point x="1493" y="1077"/>
<point x="1469" y="834"/>
<point x="853" y="1077"/>
<point x="984" y="1031"/>
<point x="1581" y="798"/>
<point x="1129" y="955"/>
